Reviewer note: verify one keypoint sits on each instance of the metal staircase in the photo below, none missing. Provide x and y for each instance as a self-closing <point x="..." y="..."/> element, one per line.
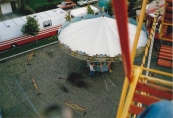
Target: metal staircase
<point x="166" y="33"/>
<point x="165" y="53"/>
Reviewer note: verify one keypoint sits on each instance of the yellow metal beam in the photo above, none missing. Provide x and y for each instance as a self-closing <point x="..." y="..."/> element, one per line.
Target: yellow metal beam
<point x="149" y="42"/>
<point x="122" y="98"/>
<point x="157" y="80"/>
<point x="137" y="71"/>
<point x="165" y="39"/>
<point x="161" y="27"/>
<point x="152" y="33"/>
<point x="138" y="30"/>
<point x="157" y="71"/>
<point x="170" y="24"/>
<point x="133" y="53"/>
<point x="145" y="53"/>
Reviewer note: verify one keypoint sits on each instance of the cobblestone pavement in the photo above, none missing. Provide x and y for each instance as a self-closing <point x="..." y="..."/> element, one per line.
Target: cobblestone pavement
<point x="19" y="97"/>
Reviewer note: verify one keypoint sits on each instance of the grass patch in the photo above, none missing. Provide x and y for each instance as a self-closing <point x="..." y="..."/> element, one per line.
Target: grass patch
<point x="35" y="3"/>
<point x="26" y="47"/>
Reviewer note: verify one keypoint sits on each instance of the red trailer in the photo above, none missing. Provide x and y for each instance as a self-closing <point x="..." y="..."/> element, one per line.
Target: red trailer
<point x="10" y="30"/>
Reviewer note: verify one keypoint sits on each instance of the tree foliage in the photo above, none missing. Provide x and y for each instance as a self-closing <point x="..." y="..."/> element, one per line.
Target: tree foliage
<point x="67" y="17"/>
<point x="109" y="9"/>
<point x="31" y="27"/>
<point x="89" y="10"/>
<point x="131" y="6"/>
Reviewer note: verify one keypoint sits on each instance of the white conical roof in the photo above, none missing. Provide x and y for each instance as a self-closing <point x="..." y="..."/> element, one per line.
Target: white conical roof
<point x="97" y="36"/>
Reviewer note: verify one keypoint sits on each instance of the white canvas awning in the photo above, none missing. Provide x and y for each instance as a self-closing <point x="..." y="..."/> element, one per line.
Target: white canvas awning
<point x="98" y="36"/>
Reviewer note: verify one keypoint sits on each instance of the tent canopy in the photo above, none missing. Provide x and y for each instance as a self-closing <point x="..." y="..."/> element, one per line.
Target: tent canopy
<point x="98" y="36"/>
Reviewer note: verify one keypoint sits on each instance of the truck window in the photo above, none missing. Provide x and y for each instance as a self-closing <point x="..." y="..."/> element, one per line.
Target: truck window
<point x="47" y="23"/>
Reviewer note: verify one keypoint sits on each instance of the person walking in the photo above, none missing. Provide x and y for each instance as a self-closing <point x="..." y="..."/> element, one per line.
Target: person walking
<point x="91" y="69"/>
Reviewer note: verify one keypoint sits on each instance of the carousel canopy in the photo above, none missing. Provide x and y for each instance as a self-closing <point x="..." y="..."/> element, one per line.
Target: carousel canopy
<point x="98" y="36"/>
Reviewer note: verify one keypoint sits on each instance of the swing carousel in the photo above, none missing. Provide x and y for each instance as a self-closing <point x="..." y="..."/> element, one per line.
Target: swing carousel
<point x="95" y="39"/>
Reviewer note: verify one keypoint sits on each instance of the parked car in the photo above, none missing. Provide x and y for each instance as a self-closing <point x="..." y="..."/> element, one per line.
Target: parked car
<point x="86" y="2"/>
<point x="67" y="5"/>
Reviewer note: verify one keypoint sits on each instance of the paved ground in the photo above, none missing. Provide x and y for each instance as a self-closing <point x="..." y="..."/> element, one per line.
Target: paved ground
<point x="18" y="95"/>
<point x="10" y="16"/>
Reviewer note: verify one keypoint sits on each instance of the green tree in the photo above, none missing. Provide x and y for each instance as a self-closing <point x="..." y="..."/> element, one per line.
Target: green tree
<point x="89" y="10"/>
<point x="131" y="7"/>
<point x="109" y="9"/>
<point x="31" y="27"/>
<point x="67" y="17"/>
<point x="131" y="4"/>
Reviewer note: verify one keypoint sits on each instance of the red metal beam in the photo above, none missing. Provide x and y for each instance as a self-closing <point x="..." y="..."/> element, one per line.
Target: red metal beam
<point x="155" y="90"/>
<point x="147" y="100"/>
<point x="120" y="11"/>
<point x="135" y="110"/>
<point x="167" y="51"/>
<point x="165" y="63"/>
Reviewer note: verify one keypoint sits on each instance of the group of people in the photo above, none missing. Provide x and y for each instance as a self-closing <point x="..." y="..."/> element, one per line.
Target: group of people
<point x="92" y="70"/>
